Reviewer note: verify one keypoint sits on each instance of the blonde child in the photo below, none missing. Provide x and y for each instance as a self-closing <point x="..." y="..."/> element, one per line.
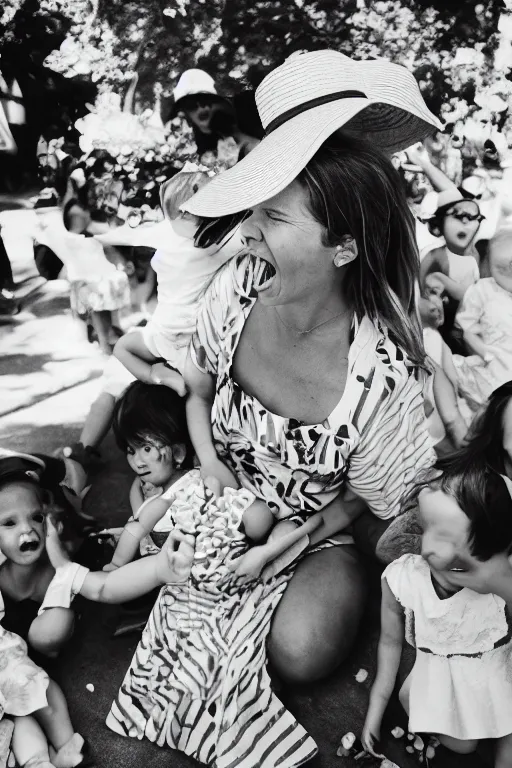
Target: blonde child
<point x="183" y="272"/>
<point x="485" y="318"/>
<point x="460" y="687"/>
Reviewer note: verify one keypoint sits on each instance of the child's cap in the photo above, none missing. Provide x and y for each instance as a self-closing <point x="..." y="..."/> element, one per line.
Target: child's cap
<point x="20" y="466"/>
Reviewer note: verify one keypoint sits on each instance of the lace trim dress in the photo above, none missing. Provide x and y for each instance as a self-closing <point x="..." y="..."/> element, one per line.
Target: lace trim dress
<point x="461" y="682"/>
<point x="198" y="681"/>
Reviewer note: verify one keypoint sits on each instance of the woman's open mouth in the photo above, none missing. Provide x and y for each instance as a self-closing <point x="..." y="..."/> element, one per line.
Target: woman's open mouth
<point x="268" y="274"/>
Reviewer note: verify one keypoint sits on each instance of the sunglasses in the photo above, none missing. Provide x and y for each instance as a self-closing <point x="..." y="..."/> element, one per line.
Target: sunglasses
<point x="465" y="212"/>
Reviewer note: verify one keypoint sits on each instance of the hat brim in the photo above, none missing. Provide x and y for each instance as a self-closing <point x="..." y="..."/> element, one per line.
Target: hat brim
<point x="284" y="153"/>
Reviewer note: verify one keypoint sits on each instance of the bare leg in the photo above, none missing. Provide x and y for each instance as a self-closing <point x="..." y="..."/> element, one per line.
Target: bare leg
<point x="28" y="740"/>
<point x="54" y="718"/>
<point x="316" y="622"/>
<point x="98" y="420"/>
<point x="102" y="324"/>
<point x="50" y="631"/>
<point x="460" y="746"/>
<point x="504" y="752"/>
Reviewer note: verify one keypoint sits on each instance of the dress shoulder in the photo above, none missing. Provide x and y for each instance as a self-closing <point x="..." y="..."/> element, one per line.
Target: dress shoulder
<point x="401" y="575"/>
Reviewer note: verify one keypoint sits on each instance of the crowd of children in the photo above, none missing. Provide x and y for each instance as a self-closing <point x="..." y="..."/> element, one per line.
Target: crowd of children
<point x="450" y="599"/>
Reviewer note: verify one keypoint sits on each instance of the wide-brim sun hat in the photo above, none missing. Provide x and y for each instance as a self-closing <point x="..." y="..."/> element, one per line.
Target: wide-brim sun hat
<point x="303" y="102"/>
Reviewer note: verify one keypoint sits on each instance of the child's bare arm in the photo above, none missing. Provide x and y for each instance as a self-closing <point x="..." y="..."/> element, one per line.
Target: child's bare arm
<point x="201" y="388"/>
<point x="388" y="660"/>
<point x="136" y="497"/>
<point x="135" y="530"/>
<point x="476" y="345"/>
<point x="171" y="566"/>
<point x="446" y="402"/>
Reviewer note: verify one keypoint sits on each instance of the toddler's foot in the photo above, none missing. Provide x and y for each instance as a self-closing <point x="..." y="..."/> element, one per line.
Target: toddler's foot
<point x="70" y="755"/>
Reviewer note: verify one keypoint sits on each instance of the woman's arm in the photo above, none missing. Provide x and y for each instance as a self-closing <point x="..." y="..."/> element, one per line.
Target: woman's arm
<point x="201" y="388"/>
<point x="388" y="661"/>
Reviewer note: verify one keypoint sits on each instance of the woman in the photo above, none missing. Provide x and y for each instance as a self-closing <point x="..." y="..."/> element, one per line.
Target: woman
<point x="314" y="355"/>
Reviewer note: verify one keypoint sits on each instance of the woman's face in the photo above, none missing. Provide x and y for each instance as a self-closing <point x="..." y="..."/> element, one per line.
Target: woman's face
<point x="283" y="232"/>
<point x="22" y="535"/>
<point x="199" y="111"/>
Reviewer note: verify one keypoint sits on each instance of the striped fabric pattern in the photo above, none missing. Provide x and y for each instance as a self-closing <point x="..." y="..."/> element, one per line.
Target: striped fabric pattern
<point x="198" y="681"/>
<point x="376" y="438"/>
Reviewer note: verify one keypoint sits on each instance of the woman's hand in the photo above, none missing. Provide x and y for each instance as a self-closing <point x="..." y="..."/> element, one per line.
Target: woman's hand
<point x="54" y="547"/>
<point x="371" y="735"/>
<point x="217" y="476"/>
<point x="174" y="561"/>
<point x="250" y="565"/>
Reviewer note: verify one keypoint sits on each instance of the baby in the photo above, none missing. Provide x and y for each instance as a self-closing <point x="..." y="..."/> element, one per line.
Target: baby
<point x="485" y="318"/>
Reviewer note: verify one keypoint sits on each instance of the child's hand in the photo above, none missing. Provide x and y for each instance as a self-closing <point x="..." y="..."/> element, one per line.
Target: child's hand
<point x="370" y="737"/>
<point x="215" y="469"/>
<point x="250" y="565"/>
<point x="418" y="154"/>
<point x="162" y="374"/>
<point x="109" y="567"/>
<point x="493" y="576"/>
<point x="54" y="547"/>
<point x="174" y="561"/>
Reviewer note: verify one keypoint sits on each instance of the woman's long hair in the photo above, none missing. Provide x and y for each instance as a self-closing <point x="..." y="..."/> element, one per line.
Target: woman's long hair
<point x="355" y="190"/>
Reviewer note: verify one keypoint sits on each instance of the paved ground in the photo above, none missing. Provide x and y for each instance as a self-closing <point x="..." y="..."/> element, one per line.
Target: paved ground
<point x="43" y="357"/>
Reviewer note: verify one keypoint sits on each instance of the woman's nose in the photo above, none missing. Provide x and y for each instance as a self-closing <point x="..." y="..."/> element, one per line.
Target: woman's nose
<point x="249" y="230"/>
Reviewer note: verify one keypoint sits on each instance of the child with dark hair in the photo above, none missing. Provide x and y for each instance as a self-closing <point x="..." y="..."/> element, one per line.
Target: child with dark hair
<point x="460" y="688"/>
<point x="150" y="426"/>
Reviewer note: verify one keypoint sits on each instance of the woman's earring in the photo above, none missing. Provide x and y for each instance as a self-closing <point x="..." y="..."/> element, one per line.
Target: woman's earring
<point x="346" y="251"/>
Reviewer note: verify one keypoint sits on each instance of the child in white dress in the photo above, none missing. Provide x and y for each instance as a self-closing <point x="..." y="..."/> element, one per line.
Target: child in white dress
<point x="460" y="687"/>
<point x="485" y="318"/>
<point x="183" y="272"/>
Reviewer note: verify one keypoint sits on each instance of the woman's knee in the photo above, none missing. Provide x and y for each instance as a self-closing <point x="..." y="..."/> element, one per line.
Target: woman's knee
<point x="316" y="623"/>
<point x="50" y="631"/>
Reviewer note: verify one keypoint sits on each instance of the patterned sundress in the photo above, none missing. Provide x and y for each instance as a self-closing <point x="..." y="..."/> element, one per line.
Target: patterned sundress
<point x="206" y="691"/>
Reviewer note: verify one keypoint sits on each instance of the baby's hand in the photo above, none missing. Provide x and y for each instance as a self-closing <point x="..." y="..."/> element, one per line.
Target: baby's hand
<point x="217" y="476"/>
<point x="174" y="561"/>
<point x="250" y="565"/>
<point x="54" y="547"/>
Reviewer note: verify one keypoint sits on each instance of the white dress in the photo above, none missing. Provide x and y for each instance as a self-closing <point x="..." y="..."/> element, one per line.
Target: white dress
<point x="183" y="274"/>
<point x="461" y="682"/>
<point x="486" y="310"/>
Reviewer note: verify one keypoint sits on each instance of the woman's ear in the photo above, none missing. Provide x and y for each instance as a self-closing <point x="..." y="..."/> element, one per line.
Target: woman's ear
<point x="179" y="453"/>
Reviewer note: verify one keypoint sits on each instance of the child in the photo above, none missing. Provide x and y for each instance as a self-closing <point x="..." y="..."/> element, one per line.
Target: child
<point x="460" y="687"/>
<point x="149" y="425"/>
<point x="183" y="271"/>
<point x="98" y="288"/>
<point x="444" y="415"/>
<point x="485" y="318"/>
<point x="455" y="264"/>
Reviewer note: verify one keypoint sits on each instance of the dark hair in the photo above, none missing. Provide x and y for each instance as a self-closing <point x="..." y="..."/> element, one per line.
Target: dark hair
<point x="223" y="124"/>
<point x="149" y="410"/>
<point x="435" y="222"/>
<point x="484" y="441"/>
<point x="481" y="493"/>
<point x="355" y="190"/>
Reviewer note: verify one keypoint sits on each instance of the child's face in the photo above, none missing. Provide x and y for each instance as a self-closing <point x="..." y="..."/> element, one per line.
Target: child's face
<point x="22" y="534"/>
<point x="500" y="253"/>
<point x="152" y="462"/>
<point x="185" y="225"/>
<point x="460" y="224"/>
<point x="444" y="544"/>
<point x="431" y="311"/>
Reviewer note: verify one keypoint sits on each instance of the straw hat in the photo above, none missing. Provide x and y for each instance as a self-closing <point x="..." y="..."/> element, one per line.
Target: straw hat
<point x="301" y="103"/>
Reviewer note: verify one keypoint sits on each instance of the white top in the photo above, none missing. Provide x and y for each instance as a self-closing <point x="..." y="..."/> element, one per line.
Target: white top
<point x="462" y="269"/>
<point x="183" y="274"/>
<point x="461" y="682"/>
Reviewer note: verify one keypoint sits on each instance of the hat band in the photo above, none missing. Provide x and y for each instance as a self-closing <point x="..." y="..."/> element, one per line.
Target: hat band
<point x="311" y="104"/>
